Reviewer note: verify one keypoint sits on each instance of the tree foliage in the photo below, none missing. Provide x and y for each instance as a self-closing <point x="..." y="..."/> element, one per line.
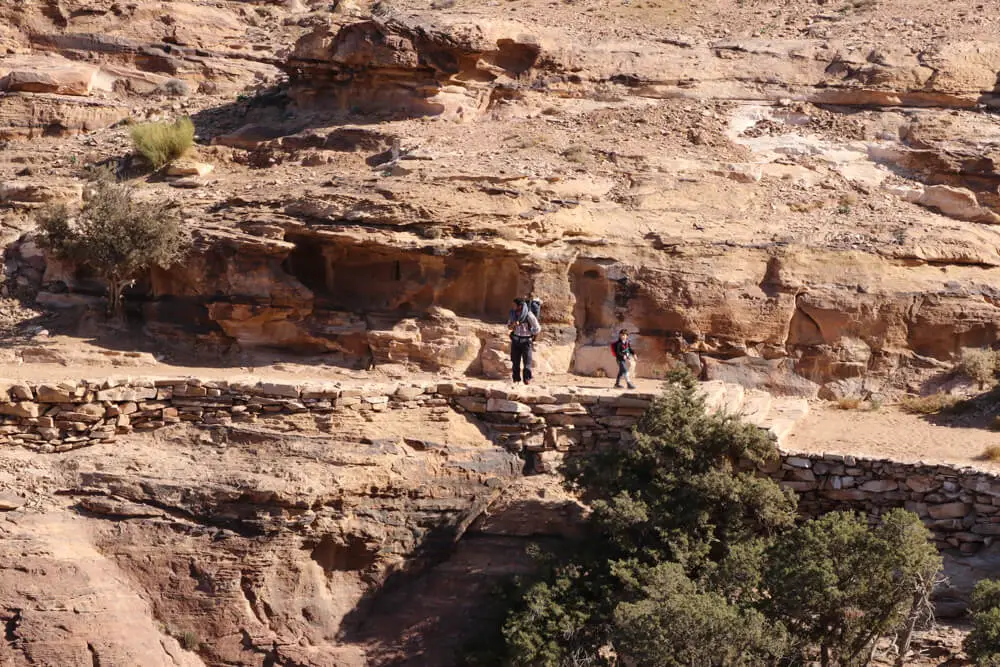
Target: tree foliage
<point x="115" y="236"/>
<point x="692" y="559"/>
<point x="983" y="643"/>
<point x="839" y="585"/>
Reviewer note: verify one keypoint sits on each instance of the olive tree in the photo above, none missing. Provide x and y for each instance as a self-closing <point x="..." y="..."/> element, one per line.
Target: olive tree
<point x="115" y="236"/>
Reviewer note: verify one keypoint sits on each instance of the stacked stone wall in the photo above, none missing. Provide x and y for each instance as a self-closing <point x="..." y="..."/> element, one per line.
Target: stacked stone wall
<point x="960" y="505"/>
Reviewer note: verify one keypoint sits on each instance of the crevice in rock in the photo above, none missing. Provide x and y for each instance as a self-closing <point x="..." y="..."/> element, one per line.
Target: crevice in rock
<point x="95" y="659"/>
<point x="236" y="525"/>
<point x="250" y="595"/>
<point x="11" y="625"/>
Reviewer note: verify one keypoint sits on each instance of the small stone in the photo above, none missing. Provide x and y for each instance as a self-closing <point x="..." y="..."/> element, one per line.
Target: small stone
<point x="948" y="510"/>
<point x="9" y="501"/>
<point x="502" y="405"/>
<point x="879" y="486"/>
<point x="279" y="389"/>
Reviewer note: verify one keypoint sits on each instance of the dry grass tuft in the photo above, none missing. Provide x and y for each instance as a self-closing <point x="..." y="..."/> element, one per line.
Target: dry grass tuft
<point x="979" y="365"/>
<point x="162" y="143"/>
<point x="928" y="405"/>
<point x="992" y="453"/>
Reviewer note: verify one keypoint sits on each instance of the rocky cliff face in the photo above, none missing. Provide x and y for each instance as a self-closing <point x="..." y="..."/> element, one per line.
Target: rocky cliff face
<point x="795" y="197"/>
<point x="804" y="211"/>
<point x="264" y="543"/>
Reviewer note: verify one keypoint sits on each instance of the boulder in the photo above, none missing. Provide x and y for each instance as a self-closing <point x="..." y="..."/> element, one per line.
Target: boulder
<point x="33" y="192"/>
<point x="773" y="375"/>
<point x="955" y="202"/>
<point x="503" y="405"/>
<point x="70" y="79"/>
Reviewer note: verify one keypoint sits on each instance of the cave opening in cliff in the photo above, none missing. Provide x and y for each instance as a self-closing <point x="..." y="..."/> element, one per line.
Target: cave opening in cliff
<point x="333" y="556"/>
<point x="307" y="263"/>
<point x="404" y="282"/>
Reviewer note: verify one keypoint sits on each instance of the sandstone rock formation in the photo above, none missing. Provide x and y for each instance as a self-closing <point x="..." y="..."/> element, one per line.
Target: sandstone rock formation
<point x="770" y="232"/>
<point x="793" y="199"/>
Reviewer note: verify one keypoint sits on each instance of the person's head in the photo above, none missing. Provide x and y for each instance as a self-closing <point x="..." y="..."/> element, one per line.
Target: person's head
<point x="623" y="334"/>
<point x="518" y="302"/>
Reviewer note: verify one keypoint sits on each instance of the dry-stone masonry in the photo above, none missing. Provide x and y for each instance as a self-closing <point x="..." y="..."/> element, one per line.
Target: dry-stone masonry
<point x="960" y="505"/>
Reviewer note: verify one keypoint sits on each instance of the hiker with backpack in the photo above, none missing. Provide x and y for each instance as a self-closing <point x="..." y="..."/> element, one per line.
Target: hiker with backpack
<point x="625" y="355"/>
<point x="523" y="326"/>
<point x="534" y="305"/>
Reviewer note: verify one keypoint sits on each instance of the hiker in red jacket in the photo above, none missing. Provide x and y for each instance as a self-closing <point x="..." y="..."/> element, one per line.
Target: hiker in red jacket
<point x="625" y="355"/>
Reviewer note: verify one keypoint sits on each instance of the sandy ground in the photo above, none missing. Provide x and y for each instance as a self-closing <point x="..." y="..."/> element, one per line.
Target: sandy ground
<point x="890" y="433"/>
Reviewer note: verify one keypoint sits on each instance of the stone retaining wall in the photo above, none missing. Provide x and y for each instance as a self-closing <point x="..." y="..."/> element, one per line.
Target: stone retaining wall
<point x="960" y="505"/>
<point x="64" y="416"/>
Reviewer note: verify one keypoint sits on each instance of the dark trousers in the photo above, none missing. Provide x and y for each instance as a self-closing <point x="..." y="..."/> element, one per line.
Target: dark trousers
<point x="623" y="372"/>
<point x="520" y="352"/>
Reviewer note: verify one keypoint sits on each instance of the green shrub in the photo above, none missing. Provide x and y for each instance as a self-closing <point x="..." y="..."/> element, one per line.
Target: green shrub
<point x="839" y="585"/>
<point x="692" y="559"/>
<point x="115" y="236"/>
<point x="673" y="623"/>
<point x="162" y="143"/>
<point x="983" y="643"/>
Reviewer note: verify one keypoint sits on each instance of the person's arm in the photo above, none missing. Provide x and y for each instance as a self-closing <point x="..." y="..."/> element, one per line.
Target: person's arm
<point x="536" y="328"/>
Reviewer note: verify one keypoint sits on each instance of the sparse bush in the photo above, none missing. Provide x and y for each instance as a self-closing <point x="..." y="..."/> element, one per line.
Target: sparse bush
<point x="189" y="640"/>
<point x="992" y="453"/>
<point x="928" y="405"/>
<point x="978" y="365"/>
<point x="176" y="88"/>
<point x="162" y="143"/>
<point x="114" y="235"/>
<point x="99" y="173"/>
<point x="576" y="153"/>
<point x="849" y="403"/>
<point x="983" y="643"/>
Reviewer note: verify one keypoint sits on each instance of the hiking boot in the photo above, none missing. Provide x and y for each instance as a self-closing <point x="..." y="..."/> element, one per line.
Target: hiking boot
<point x="631" y="386"/>
<point x="618" y="385"/>
<point x="527" y="382"/>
